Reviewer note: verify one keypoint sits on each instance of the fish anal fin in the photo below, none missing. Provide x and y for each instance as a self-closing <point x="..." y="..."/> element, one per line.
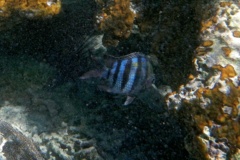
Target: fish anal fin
<point x="92" y="74"/>
<point x="129" y="100"/>
<point x="150" y="81"/>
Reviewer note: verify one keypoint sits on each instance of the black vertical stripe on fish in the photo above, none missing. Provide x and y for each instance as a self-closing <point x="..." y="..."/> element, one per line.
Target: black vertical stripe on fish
<point x="142" y="74"/>
<point x="137" y="82"/>
<point x="148" y="71"/>
<point x="126" y="73"/>
<point x="108" y="73"/>
<point x="118" y="83"/>
<point x="145" y="67"/>
<point x="114" y="72"/>
<point x="132" y="75"/>
<point x="138" y="74"/>
<point x="105" y="73"/>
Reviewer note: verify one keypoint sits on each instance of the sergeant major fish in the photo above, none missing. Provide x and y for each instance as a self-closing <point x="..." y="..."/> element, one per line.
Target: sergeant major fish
<point x="126" y="75"/>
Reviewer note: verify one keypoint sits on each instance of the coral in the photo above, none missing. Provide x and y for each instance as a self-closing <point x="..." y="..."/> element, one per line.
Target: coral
<point x="14" y="12"/>
<point x="30" y="9"/>
<point x="223" y="111"/>
<point x="116" y="21"/>
<point x="170" y="34"/>
<point x="13" y="141"/>
<point x="210" y="100"/>
<point x="157" y="29"/>
<point x="38" y="114"/>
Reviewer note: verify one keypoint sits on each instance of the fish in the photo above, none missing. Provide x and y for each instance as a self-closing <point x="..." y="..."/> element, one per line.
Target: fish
<point x="126" y="75"/>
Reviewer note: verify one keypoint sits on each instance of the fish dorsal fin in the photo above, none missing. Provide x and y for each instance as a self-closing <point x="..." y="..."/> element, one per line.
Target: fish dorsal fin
<point x="109" y="59"/>
<point x="129" y="56"/>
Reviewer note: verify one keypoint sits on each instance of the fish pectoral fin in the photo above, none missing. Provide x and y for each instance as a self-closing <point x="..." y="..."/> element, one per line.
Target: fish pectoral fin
<point x="128" y="100"/>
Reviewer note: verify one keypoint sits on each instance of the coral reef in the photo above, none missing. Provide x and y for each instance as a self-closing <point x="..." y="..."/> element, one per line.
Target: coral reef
<point x="92" y="124"/>
<point x="13" y="141"/>
<point x="89" y="125"/>
<point x="30" y="8"/>
<point x="15" y="12"/>
<point x="59" y="41"/>
<point x="172" y="27"/>
<point x="115" y="20"/>
<point x="40" y="115"/>
<point x="165" y="29"/>
<point x="210" y="100"/>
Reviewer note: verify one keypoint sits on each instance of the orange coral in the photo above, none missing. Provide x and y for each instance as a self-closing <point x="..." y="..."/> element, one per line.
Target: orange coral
<point x="230" y="126"/>
<point x="207" y="24"/>
<point x="207" y="43"/>
<point x="226" y="51"/>
<point x="213" y="113"/>
<point x="224" y="4"/>
<point x="204" y="48"/>
<point x="116" y="21"/>
<point x="236" y="34"/>
<point x="227" y="72"/>
<point x="30" y="8"/>
<point x="223" y="111"/>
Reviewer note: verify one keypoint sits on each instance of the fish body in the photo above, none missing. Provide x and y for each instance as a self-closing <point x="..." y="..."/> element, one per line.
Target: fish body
<point x="126" y="75"/>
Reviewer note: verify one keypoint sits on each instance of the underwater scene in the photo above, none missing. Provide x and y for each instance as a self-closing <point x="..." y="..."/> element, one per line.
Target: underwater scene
<point x="119" y="80"/>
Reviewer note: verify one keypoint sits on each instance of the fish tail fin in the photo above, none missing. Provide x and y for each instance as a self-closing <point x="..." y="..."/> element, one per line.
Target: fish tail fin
<point x="97" y="73"/>
<point x="105" y="88"/>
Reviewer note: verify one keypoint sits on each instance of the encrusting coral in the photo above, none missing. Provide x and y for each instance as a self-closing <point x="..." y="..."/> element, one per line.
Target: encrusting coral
<point x="13" y="12"/>
<point x="116" y="21"/>
<point x="210" y="101"/>
<point x="30" y="8"/>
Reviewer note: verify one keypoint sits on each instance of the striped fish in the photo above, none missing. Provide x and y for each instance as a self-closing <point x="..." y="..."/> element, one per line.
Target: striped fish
<point x="126" y="75"/>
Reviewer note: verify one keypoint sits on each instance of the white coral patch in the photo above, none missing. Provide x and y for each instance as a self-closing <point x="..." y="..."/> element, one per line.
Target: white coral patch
<point x="227" y="110"/>
<point x="225" y="50"/>
<point x="235" y="54"/>
<point x="235" y="18"/>
<point x="205" y="102"/>
<point x="235" y="81"/>
<point x="229" y="19"/>
<point x="206" y="130"/>
<point x="225" y="89"/>
<point x="213" y="80"/>
<point x="2" y="143"/>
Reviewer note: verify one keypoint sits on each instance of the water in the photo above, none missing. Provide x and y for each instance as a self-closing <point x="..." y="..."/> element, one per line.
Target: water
<point x="41" y="94"/>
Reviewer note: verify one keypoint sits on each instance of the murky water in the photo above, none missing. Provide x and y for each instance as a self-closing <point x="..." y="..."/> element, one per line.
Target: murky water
<point x="68" y="118"/>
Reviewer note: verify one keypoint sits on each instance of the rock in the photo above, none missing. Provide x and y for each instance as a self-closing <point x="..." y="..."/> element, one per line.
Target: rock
<point x="14" y="145"/>
<point x="210" y="100"/>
